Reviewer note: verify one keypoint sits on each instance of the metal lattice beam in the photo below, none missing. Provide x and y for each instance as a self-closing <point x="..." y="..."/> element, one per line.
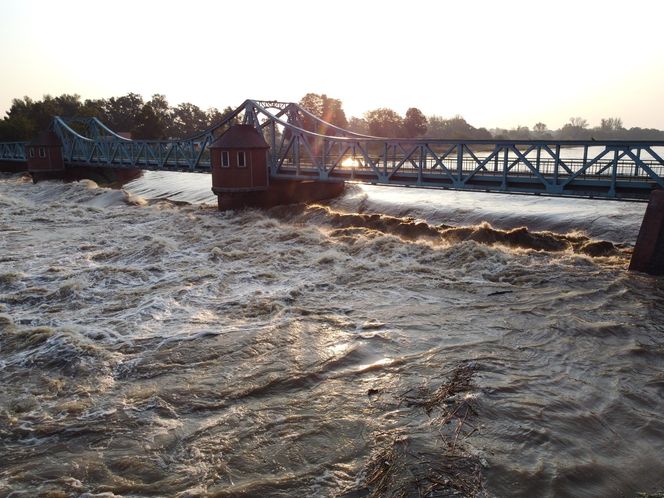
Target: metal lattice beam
<point x="13" y="151"/>
<point x="607" y="169"/>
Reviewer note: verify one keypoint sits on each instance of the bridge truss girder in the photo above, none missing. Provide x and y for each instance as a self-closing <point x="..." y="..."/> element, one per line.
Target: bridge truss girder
<point x="13" y="151"/>
<point x="607" y="169"/>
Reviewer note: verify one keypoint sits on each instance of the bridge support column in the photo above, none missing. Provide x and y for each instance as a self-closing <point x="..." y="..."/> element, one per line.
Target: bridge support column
<point x="13" y="166"/>
<point x="648" y="255"/>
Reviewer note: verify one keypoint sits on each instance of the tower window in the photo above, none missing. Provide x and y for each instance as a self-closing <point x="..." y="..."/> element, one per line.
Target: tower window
<point x="241" y="160"/>
<point x="42" y="151"/>
<point x="224" y="159"/>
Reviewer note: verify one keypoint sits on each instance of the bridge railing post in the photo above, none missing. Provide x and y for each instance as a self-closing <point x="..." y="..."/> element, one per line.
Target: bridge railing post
<point x="506" y="159"/>
<point x="386" y="149"/>
<point x="459" y="162"/>
<point x="614" y="173"/>
<point x="556" y="165"/>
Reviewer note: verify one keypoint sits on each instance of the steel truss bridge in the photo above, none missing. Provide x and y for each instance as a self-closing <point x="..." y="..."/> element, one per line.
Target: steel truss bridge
<point x="304" y="147"/>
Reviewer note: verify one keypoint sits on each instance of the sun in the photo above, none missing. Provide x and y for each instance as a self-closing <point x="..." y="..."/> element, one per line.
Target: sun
<point x="350" y="162"/>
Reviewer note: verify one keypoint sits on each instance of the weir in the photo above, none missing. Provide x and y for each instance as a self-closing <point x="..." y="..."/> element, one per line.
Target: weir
<point x="262" y="154"/>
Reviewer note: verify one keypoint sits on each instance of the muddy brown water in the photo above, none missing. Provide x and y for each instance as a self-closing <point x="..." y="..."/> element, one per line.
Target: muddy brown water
<point x="155" y="349"/>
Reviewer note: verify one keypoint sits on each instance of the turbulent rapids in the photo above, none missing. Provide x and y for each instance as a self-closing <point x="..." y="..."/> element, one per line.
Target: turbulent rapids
<point x="414" y="230"/>
<point x="383" y="344"/>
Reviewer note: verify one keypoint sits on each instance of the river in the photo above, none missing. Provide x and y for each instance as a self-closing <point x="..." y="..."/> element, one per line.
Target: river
<point x="393" y="342"/>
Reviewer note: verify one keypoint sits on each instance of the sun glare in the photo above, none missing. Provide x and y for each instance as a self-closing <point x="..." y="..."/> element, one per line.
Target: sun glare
<point x="350" y="162"/>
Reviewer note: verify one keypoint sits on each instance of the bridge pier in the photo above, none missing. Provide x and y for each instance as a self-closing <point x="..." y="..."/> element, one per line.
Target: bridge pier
<point x="279" y="192"/>
<point x="648" y="255"/>
<point x="13" y="166"/>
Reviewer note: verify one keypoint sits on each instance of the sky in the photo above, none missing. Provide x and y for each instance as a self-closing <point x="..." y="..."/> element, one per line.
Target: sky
<point x="500" y="63"/>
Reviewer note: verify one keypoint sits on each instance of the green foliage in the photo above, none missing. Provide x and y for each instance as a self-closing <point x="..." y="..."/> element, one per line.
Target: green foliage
<point x="541" y="132"/>
<point x="611" y="124"/>
<point x="122" y="113"/>
<point x="27" y="117"/>
<point x="358" y="125"/>
<point x="187" y="120"/>
<point x="575" y="129"/>
<point x="520" y="133"/>
<point x="384" y="122"/>
<point x="17" y="129"/>
<point x="153" y="119"/>
<point x="326" y="108"/>
<point x="214" y="115"/>
<point x="415" y="123"/>
<point x="455" y="128"/>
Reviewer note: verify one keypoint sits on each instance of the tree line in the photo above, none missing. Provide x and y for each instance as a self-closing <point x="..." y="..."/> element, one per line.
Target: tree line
<point x="156" y="119"/>
<point x="578" y="128"/>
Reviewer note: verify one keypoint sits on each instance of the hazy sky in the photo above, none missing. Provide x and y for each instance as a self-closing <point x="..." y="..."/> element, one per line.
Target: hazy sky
<point x="497" y="63"/>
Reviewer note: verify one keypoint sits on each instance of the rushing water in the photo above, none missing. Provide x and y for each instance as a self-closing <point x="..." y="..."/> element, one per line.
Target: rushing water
<point x="395" y="342"/>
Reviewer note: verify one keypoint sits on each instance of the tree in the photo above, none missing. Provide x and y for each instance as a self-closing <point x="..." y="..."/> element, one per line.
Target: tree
<point x="454" y="128"/>
<point x="326" y="108"/>
<point x="520" y="133"/>
<point x="27" y="117"/>
<point x="358" y="125"/>
<point x="214" y="116"/>
<point x="188" y="119"/>
<point x="611" y="124"/>
<point x="67" y="105"/>
<point x="17" y="128"/>
<point x="436" y="126"/>
<point x="92" y="108"/>
<point x="579" y="123"/>
<point x="540" y="128"/>
<point x="384" y="122"/>
<point x="415" y="123"/>
<point x="481" y="134"/>
<point x="154" y="119"/>
<point x="576" y="129"/>
<point x="541" y="131"/>
<point x="643" y="134"/>
<point x="24" y="120"/>
<point x="121" y="114"/>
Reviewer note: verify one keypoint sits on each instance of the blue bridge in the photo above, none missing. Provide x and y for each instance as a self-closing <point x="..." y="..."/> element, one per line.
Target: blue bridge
<point x="597" y="169"/>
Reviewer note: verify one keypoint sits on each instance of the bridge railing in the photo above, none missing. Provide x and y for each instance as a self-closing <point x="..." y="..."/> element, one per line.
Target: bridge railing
<point x="625" y="169"/>
<point x="185" y="156"/>
<point x="608" y="169"/>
